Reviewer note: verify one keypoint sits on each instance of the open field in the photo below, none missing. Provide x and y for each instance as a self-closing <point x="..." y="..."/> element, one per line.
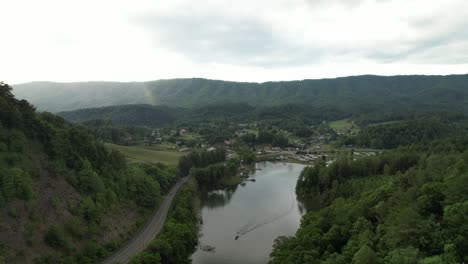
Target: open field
<point x="344" y="125"/>
<point x="149" y="154"/>
<point x="386" y="123"/>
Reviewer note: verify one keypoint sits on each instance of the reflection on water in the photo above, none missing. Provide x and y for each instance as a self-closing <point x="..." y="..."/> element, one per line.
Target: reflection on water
<point x="219" y="198"/>
<point x="255" y="214"/>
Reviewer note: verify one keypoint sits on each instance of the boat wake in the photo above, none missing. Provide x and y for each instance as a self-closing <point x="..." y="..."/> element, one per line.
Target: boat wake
<point x="251" y="227"/>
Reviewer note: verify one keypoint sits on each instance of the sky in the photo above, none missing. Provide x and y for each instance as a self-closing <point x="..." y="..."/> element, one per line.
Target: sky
<point x="242" y="40"/>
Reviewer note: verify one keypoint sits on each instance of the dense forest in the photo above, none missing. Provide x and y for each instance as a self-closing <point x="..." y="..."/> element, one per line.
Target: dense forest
<point x="266" y="137"/>
<point x="201" y="159"/>
<point x="161" y="116"/>
<point x="109" y="132"/>
<point x="407" y="205"/>
<point x="132" y="115"/>
<point x="64" y="197"/>
<point x="210" y="169"/>
<point x="397" y="133"/>
<point x="351" y="95"/>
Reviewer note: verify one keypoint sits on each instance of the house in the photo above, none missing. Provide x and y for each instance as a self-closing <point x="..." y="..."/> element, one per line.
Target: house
<point x="183" y="132"/>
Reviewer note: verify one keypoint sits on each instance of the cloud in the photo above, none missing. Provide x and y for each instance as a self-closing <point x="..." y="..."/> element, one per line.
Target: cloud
<point x="345" y="3"/>
<point x="382" y="31"/>
<point x="212" y="38"/>
<point x="433" y="41"/>
<point x="242" y="40"/>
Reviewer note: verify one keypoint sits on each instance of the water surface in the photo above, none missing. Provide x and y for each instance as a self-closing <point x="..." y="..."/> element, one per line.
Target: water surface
<point x="259" y="212"/>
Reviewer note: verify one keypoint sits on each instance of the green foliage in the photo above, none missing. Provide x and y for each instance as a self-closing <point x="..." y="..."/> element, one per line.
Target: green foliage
<point x="144" y="189"/>
<point x="365" y="255"/>
<point x="76" y="227"/>
<point x="246" y="154"/>
<point x="88" y="180"/>
<point x="117" y="134"/>
<point x="180" y="233"/>
<point x="402" y="206"/>
<point x="91" y="211"/>
<point x="266" y="137"/>
<point x="395" y="134"/>
<point x="56" y="238"/>
<point x="41" y="151"/>
<point x="166" y="176"/>
<point x="318" y="179"/>
<point x="200" y="159"/>
<point x="15" y="183"/>
<point x="8" y="185"/>
<point x="207" y="169"/>
<point x="146" y="258"/>
<point x="211" y="176"/>
<point x="131" y="115"/>
<point x="407" y="255"/>
<point x="351" y="95"/>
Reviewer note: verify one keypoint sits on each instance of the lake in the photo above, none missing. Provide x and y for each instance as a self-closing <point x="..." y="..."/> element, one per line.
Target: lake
<point x="257" y="213"/>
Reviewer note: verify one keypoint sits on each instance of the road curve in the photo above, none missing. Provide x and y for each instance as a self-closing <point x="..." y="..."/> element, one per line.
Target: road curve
<point x="142" y="239"/>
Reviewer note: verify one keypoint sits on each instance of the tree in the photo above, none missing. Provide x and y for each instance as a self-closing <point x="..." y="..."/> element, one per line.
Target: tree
<point x="22" y="184"/>
<point x="88" y="180"/>
<point x="90" y="211"/>
<point x="146" y="258"/>
<point x="365" y="255"/>
<point x="431" y="199"/>
<point x="8" y="184"/>
<point x="409" y="255"/>
<point x="56" y="238"/>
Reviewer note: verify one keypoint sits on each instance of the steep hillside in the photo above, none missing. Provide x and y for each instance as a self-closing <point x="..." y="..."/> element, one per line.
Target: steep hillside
<point x="65" y="198"/>
<point x="359" y="94"/>
<point x="56" y="97"/>
<point x="136" y="115"/>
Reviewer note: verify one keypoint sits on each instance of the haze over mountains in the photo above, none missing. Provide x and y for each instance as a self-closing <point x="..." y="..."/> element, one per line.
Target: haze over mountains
<point x="365" y="93"/>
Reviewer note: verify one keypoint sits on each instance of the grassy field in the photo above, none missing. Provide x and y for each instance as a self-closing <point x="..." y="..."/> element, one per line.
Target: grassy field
<point x="386" y="123"/>
<point x="343" y="125"/>
<point x="150" y="154"/>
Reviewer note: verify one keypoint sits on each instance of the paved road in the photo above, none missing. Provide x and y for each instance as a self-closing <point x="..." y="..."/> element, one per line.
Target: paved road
<point x="144" y="237"/>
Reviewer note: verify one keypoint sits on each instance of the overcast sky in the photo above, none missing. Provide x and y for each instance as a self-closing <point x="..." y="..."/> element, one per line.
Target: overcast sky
<point x="242" y="40"/>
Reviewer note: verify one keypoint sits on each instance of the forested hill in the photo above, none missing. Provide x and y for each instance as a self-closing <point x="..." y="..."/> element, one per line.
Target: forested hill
<point x="404" y="206"/>
<point x="64" y="197"/>
<point x="357" y="94"/>
<point x="137" y="115"/>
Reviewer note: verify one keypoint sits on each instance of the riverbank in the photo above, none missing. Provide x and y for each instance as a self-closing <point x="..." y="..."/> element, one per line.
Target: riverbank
<point x="256" y="213"/>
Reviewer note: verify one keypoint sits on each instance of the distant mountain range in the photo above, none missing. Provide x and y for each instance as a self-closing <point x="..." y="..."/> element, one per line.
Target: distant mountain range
<point x="357" y="94"/>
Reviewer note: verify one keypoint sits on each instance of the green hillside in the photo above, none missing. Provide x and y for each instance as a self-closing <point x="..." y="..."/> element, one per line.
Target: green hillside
<point x="136" y="115"/>
<point x="64" y="197"/>
<point x="401" y="207"/>
<point x="357" y="94"/>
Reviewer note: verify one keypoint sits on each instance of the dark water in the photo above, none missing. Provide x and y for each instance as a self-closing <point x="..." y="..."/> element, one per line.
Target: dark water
<point x="259" y="212"/>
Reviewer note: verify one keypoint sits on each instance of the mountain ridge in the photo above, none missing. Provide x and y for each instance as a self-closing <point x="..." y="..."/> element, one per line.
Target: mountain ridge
<point x="403" y="91"/>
